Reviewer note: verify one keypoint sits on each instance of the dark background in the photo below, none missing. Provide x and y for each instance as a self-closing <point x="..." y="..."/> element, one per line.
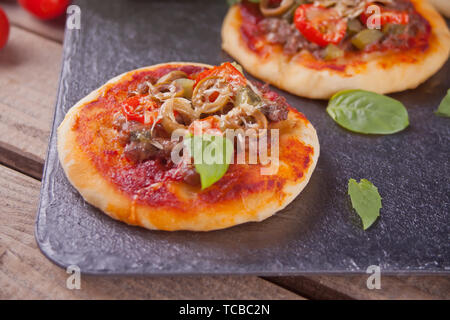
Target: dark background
<point x="318" y="232"/>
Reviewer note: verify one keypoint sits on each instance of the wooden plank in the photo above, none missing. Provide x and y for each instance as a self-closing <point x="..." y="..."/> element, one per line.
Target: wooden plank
<point x="26" y="274"/>
<point x="355" y="287"/>
<point x="53" y="29"/>
<point x="29" y="71"/>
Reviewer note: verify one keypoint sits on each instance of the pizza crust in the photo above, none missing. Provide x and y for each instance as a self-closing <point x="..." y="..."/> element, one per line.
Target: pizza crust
<point x="443" y="6"/>
<point x="102" y="194"/>
<point x="379" y="74"/>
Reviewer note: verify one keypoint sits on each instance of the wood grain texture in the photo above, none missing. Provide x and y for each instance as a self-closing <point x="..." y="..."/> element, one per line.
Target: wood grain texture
<point x="29" y="70"/>
<point x="355" y="287"/>
<point x="26" y="274"/>
<point x="53" y="29"/>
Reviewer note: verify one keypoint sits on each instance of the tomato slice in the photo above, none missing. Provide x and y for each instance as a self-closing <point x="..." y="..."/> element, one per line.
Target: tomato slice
<point x="226" y="71"/>
<point x="386" y="16"/>
<point x="319" y="24"/>
<point x="145" y="112"/>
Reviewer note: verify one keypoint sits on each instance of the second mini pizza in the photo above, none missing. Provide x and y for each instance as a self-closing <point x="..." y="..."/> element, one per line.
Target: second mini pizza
<point x="317" y="48"/>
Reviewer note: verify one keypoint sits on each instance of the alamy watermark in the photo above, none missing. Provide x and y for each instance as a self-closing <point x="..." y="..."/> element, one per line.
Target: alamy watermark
<point x="73" y="21"/>
<point x="73" y="282"/>
<point x="374" y="20"/>
<point x="374" y="280"/>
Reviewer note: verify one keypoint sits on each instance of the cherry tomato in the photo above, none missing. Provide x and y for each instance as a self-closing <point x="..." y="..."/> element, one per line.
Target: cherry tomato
<point x="386" y="16"/>
<point x="45" y="9"/>
<point x="4" y="28"/>
<point x="227" y="71"/>
<point x="319" y="24"/>
<point x="144" y="112"/>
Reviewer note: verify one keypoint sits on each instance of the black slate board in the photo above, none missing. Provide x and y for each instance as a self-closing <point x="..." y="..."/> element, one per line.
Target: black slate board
<point x="317" y="233"/>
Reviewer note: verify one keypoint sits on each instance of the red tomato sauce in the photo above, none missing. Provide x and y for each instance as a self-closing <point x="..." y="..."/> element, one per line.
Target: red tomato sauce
<point x="249" y="28"/>
<point x="97" y="139"/>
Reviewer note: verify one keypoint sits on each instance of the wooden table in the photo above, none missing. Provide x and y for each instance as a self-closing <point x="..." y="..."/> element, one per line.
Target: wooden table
<point x="29" y="71"/>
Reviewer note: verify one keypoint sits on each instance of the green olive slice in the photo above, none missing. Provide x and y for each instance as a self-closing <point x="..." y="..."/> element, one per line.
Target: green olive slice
<point x="187" y="85"/>
<point x="205" y="89"/>
<point x="238" y="118"/>
<point x="180" y="105"/>
<point x="168" y="90"/>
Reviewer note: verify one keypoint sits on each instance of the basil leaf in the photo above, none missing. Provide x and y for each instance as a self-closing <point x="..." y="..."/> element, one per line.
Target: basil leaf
<point x="367" y="112"/>
<point x="444" y="107"/>
<point x="212" y="157"/>
<point x="365" y="200"/>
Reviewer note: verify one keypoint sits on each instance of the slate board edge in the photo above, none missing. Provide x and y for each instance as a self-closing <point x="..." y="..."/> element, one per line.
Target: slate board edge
<point x="40" y="219"/>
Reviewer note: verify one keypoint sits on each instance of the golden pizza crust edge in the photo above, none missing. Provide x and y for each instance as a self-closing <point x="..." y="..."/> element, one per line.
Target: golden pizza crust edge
<point x="443" y="6"/>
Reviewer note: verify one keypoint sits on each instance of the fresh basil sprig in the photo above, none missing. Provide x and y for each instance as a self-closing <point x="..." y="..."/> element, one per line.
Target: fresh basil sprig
<point x="444" y="107"/>
<point x="367" y="112"/>
<point x="365" y="200"/>
<point x="212" y="157"/>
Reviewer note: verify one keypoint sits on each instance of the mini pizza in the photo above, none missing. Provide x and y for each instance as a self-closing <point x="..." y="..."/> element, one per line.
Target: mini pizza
<point x="317" y="48"/>
<point x="129" y="148"/>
